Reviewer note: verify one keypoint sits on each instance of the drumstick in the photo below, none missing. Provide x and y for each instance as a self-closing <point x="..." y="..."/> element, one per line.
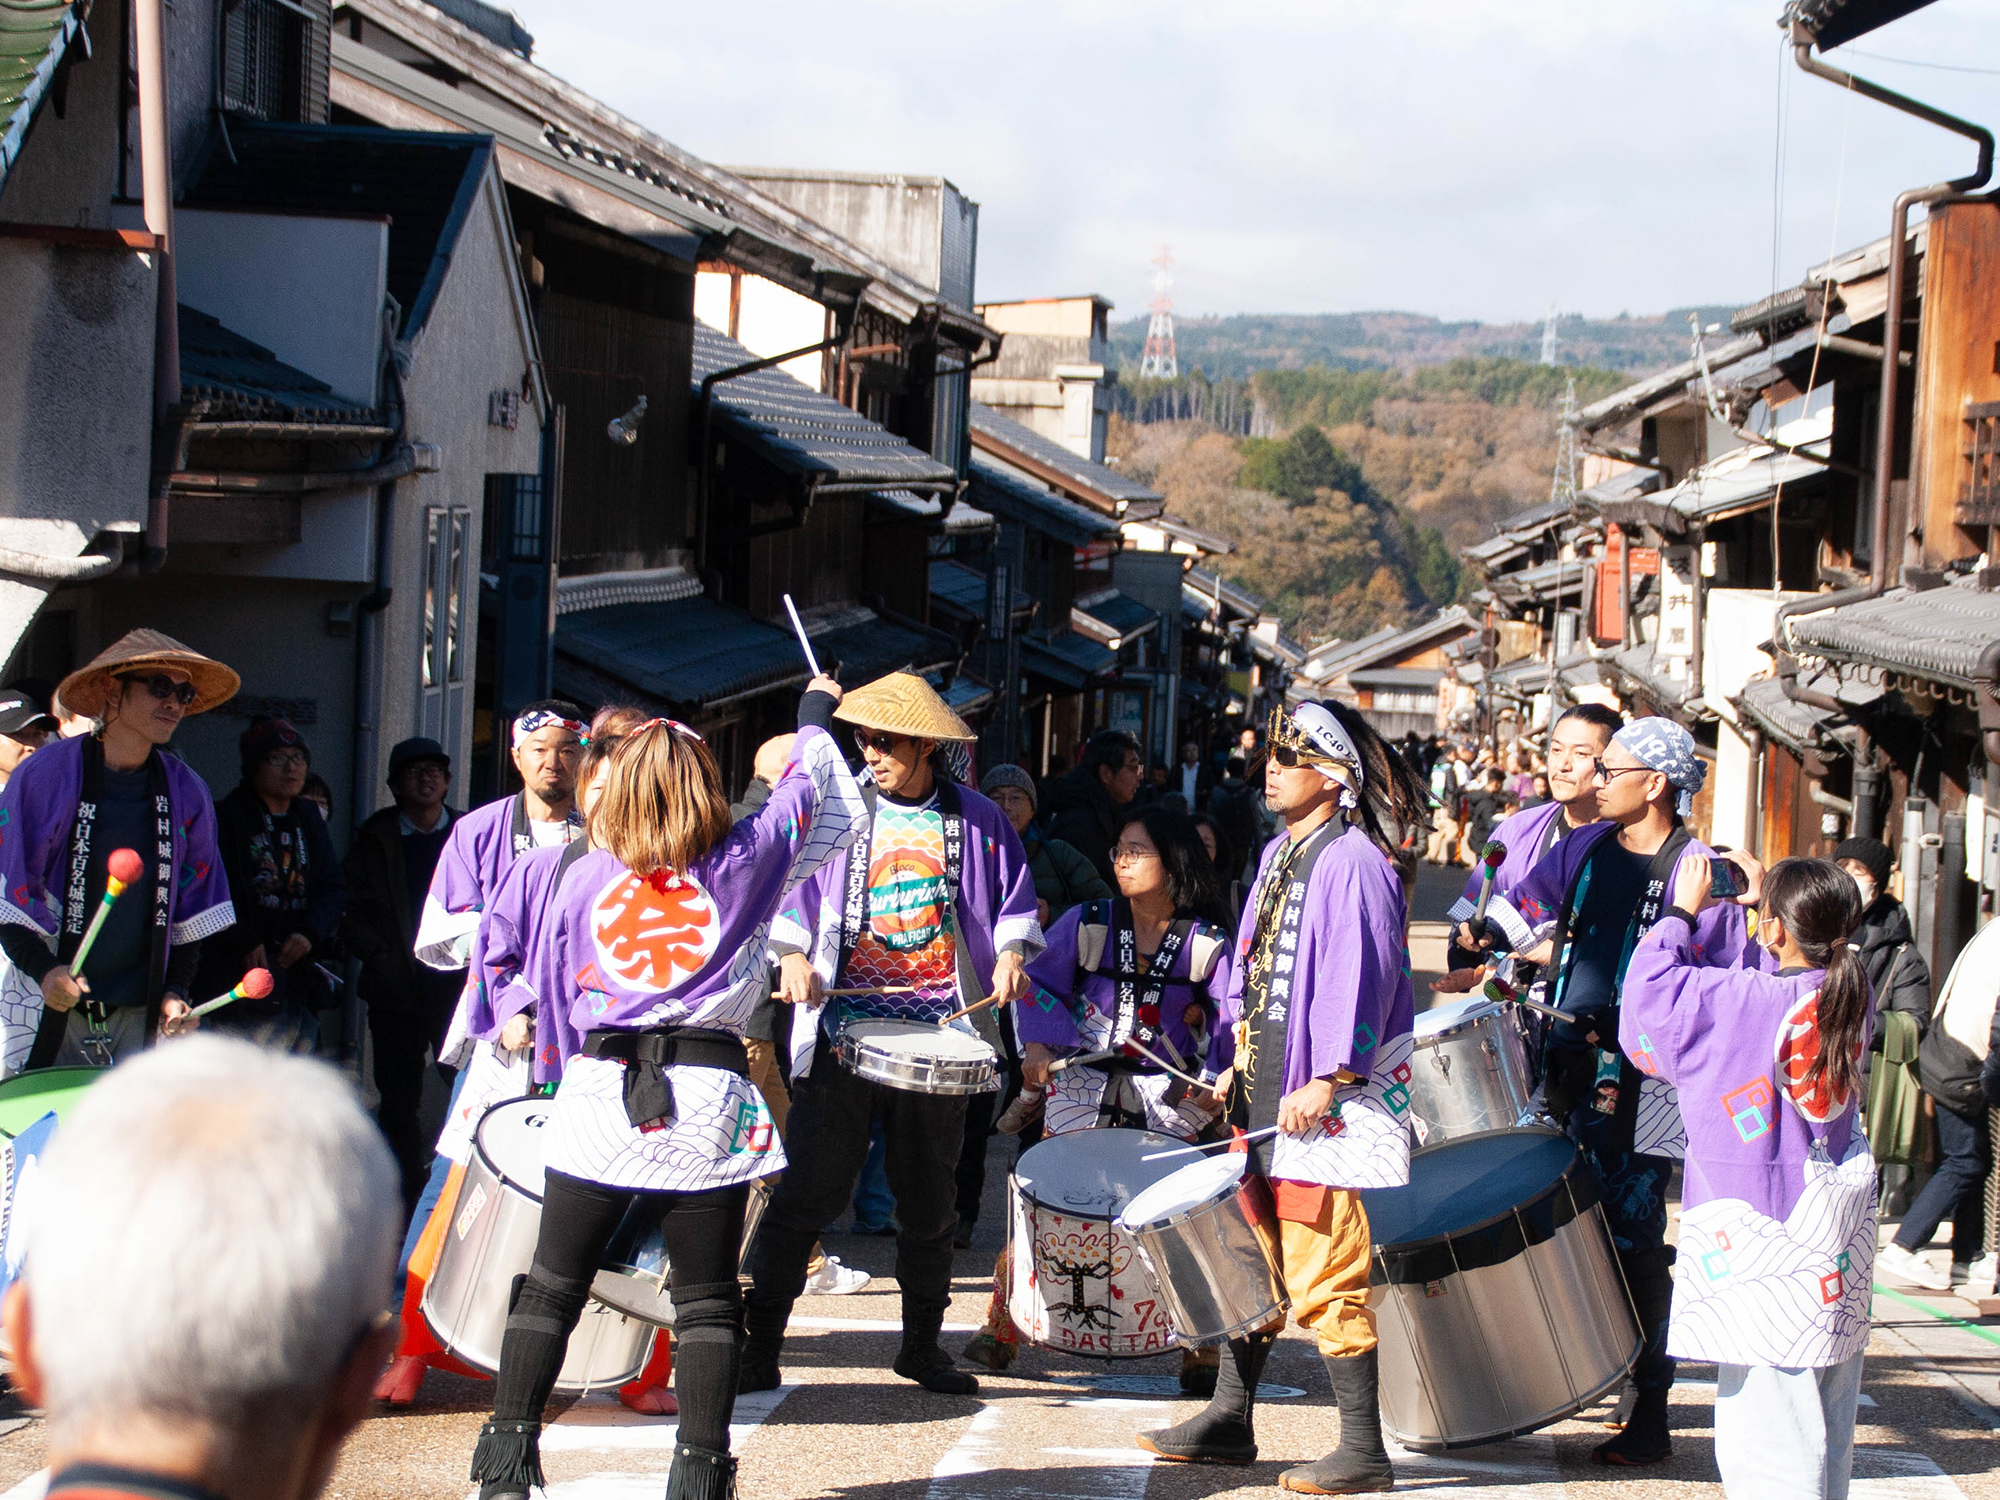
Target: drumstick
<point x="1070" y="1062"/>
<point x="875" y="989"/>
<point x="1506" y="994"/>
<point x="1490" y="860"/>
<point x="1254" y="1135"/>
<point x="1146" y="1052"/>
<point x="256" y="985"/>
<point x="121" y="871"/>
<point x="976" y="1005"/>
<point x="804" y="644"/>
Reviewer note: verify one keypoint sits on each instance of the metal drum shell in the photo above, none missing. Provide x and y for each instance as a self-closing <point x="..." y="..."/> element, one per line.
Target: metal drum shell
<point x="491" y="1240"/>
<point x="639" y="1291"/>
<point x="1540" y="1327"/>
<point x="1216" y="1265"/>
<point x="918" y="1075"/>
<point x="1471" y="1076"/>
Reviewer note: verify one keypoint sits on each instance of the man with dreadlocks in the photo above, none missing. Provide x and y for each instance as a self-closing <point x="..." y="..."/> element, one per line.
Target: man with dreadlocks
<point x="1323" y="1055"/>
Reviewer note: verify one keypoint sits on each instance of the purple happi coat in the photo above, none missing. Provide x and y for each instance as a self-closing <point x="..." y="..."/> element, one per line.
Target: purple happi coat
<point x="511" y="969"/>
<point x="1073" y="1009"/>
<point x="475" y="856"/>
<point x="1522" y="834"/>
<point x="684" y="950"/>
<point x="994" y="909"/>
<point x="1353" y="1009"/>
<point x="1721" y="940"/>
<point x="1777" y="1239"/>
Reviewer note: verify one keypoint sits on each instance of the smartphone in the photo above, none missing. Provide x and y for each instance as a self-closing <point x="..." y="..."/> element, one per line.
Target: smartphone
<point x="1725" y="881"/>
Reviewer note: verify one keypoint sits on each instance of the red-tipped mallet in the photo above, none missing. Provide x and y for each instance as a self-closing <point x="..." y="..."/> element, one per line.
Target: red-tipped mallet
<point x="1502" y="993"/>
<point x="121" y="871"/>
<point x="256" y="985"/>
<point x="1490" y="859"/>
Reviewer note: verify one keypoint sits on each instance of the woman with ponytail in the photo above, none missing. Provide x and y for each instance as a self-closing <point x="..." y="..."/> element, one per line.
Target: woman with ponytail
<point x="1777" y="1241"/>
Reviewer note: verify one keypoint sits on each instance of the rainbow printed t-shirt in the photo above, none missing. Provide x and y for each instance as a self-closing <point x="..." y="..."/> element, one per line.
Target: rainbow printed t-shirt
<point x="907" y="939"/>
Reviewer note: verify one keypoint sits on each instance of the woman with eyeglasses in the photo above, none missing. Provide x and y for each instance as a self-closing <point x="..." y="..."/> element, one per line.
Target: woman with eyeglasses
<point x="1132" y="987"/>
<point x="656" y="937"/>
<point x="69" y="807"/>
<point x="1777" y="1227"/>
<point x="286" y="884"/>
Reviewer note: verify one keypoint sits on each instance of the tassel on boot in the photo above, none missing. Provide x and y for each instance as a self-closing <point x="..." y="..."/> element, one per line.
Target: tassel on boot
<point x="508" y="1460"/>
<point x="1360" y="1465"/>
<point x="701" y="1474"/>
<point x="1221" y="1432"/>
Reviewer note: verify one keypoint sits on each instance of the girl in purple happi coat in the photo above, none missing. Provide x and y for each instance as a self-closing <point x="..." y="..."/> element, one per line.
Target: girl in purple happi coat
<point x="656" y="942"/>
<point x="1777" y="1238"/>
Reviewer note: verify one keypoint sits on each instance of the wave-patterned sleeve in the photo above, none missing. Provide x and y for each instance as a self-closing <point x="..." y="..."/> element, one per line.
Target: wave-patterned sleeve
<point x="815" y="811"/>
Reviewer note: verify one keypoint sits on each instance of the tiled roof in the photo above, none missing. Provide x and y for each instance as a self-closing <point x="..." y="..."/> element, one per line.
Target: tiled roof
<point x="1557" y="576"/>
<point x="1199" y="587"/>
<point x="693" y="653"/>
<point x="1017" y="443"/>
<point x="1067" y="657"/>
<point x="805" y="433"/>
<point x="423" y="182"/>
<point x="1015" y="499"/>
<point x="33" y="37"/>
<point x="1939" y="633"/>
<point x="1107" y="615"/>
<point x="1795" y="724"/>
<point x="245" y="382"/>
<point x="872" y="647"/>
<point x="963" y="589"/>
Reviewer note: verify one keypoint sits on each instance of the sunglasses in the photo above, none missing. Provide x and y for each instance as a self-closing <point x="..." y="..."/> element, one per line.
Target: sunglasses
<point x="882" y="744"/>
<point x="164" y="687"/>
<point x="1292" y="759"/>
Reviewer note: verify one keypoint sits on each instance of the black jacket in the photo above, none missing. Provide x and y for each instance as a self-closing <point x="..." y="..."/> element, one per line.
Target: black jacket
<point x="239" y="823"/>
<point x="378" y="929"/>
<point x="1087" y="820"/>
<point x="1898" y="977"/>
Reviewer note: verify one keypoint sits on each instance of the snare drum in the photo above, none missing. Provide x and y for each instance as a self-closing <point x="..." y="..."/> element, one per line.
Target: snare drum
<point x="491" y="1241"/>
<point x="1073" y="1281"/>
<point x="920" y="1057"/>
<point x="1212" y="1252"/>
<point x="1468" y="1071"/>
<point x="1501" y="1307"/>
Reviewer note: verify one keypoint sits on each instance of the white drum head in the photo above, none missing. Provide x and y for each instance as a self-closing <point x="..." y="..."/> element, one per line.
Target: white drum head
<point x="1094" y="1172"/>
<point x="919" y="1039"/>
<point x="510" y="1138"/>
<point x="1186" y="1189"/>
<point x="1445" y="1018"/>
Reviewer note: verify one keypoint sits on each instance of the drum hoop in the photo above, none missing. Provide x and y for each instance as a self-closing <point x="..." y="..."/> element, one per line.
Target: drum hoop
<point x="493" y="1167"/>
<point x="1573" y="1185"/>
<point x="1186" y="1215"/>
<point x="1470" y="1021"/>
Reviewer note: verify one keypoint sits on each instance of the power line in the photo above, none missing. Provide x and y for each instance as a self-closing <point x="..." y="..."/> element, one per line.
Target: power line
<point x="1911" y="62"/>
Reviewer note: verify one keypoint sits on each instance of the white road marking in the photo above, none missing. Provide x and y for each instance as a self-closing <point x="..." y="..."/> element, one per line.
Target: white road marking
<point x="871" y="1325"/>
<point x="1001" y="1435"/>
<point x="602" y="1422"/>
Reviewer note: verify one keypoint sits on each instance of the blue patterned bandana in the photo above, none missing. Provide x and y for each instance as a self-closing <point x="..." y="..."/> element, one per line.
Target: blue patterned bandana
<point x="1662" y="745"/>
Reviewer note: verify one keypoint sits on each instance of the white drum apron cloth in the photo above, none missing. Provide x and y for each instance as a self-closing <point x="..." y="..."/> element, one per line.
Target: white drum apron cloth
<point x="721" y="1132"/>
<point x="491" y="1241"/>
<point x="1363" y="1141"/>
<point x="1074" y="1281"/>
<point x="1076" y="1095"/>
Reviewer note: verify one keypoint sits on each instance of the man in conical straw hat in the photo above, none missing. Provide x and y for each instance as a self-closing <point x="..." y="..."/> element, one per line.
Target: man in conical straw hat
<point x="64" y="813"/>
<point x="932" y="910"/>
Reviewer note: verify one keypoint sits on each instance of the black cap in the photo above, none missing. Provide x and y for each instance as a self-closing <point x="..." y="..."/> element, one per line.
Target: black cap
<point x="19" y="710"/>
<point x="409" y="752"/>
<point x="1871" y="854"/>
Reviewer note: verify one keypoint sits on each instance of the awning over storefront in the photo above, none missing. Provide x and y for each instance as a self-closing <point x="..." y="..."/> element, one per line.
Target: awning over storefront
<point x="961" y="591"/>
<point x="1940" y="634"/>
<point x="1111" y="618"/>
<point x="691" y="653"/>
<point x="1068" y="659"/>
<point x="1795" y="725"/>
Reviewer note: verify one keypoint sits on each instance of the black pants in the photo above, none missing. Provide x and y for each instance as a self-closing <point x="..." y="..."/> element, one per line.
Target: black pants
<point x="702" y="1231"/>
<point x="971" y="1174"/>
<point x="826" y="1142"/>
<point x="404" y="1030"/>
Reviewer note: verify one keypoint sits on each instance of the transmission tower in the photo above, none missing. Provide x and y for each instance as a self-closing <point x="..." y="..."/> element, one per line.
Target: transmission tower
<point x="1562" y="490"/>
<point x="1549" y="339"/>
<point x="1158" y="362"/>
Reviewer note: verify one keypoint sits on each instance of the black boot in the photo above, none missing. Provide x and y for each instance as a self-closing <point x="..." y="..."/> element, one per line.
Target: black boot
<point x="1360" y="1464"/>
<point x="1645" y="1439"/>
<point x="764" y="1338"/>
<point x="508" y="1460"/>
<point x="924" y="1361"/>
<point x="701" y="1474"/>
<point x="1221" y="1432"/>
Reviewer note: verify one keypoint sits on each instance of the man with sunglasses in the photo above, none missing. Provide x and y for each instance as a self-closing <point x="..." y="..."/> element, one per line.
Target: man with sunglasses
<point x="62" y="816"/>
<point x="1579" y="737"/>
<point x="1578" y="915"/>
<point x="932" y="910"/>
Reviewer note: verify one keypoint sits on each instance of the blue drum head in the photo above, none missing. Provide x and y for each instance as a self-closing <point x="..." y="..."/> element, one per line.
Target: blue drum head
<point x="1467" y="1183"/>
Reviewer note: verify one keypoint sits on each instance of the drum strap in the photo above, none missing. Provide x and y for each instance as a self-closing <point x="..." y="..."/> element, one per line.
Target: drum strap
<point x="158" y="877"/>
<point x="647" y="1055"/>
<point x="1139" y="995"/>
<point x="1272" y="951"/>
<point x="861" y="860"/>
<point x="523" y="837"/>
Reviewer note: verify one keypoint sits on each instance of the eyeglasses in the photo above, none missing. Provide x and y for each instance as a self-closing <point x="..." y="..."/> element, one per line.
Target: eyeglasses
<point x="882" y="744"/>
<point x="286" y="760"/>
<point x="1605" y="773"/>
<point x="1132" y="854"/>
<point x="163" y="687"/>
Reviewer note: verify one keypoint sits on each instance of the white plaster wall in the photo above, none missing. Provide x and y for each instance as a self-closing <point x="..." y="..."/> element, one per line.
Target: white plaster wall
<point x="770" y="320"/>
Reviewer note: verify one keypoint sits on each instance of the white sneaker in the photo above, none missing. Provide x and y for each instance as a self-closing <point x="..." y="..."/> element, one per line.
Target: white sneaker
<point x="1976" y="1273"/>
<point x="1909" y="1265"/>
<point x="835" y="1280"/>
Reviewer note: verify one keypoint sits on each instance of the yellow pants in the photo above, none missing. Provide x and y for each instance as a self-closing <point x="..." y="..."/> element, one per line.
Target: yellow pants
<point x="1326" y="1274"/>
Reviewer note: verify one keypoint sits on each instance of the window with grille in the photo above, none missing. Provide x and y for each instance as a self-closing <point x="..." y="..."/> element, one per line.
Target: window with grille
<point x="275" y="55"/>
<point x="1979" y="489"/>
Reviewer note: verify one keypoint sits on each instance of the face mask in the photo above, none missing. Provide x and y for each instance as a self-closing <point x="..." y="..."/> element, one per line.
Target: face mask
<point x="1867" y="888"/>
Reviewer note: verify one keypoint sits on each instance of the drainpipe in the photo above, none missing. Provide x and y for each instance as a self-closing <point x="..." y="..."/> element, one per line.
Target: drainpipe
<point x="1624" y="589"/>
<point x="1885" y="432"/>
<point x="1698" y="587"/>
<point x="706" y="400"/>
<point x="156" y="166"/>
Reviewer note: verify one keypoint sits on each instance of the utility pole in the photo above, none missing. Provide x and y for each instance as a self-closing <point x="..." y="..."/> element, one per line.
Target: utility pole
<point x="1159" y="362"/>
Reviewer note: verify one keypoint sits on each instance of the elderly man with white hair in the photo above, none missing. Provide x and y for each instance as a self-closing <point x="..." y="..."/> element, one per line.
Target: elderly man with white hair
<point x="264" y="1201"/>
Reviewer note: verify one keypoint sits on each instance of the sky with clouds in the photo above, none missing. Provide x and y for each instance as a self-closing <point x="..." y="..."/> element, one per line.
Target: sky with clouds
<point x="1466" y="160"/>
